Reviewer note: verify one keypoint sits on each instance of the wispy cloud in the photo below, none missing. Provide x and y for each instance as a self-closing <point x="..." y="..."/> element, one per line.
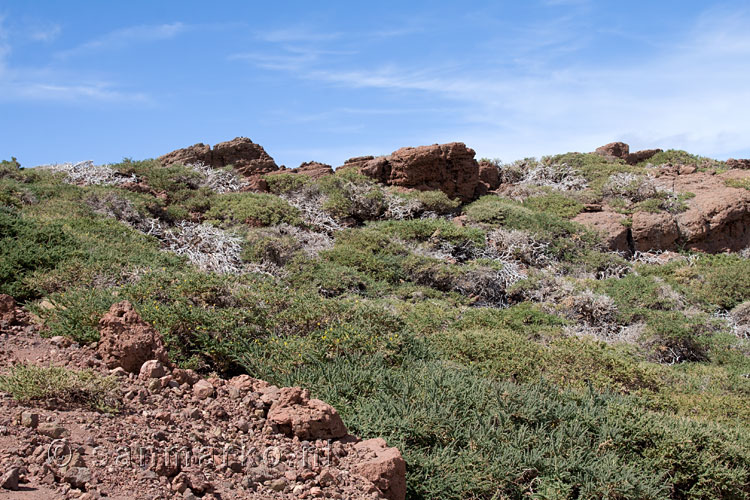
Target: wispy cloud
<point x="60" y="84"/>
<point x="126" y="37"/>
<point x="688" y="94"/>
<point x="46" y="33"/>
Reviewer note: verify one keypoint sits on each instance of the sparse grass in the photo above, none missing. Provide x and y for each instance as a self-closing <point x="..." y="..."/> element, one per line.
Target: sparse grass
<point x="54" y="386"/>
<point x="738" y="183"/>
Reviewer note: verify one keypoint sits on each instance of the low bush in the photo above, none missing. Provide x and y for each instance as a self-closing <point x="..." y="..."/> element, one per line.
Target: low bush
<point x="253" y="209"/>
<point x="555" y="204"/>
<point x="54" y="386"/>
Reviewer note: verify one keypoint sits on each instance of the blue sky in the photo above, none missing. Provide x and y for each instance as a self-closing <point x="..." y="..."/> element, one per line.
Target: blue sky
<point x="329" y="80"/>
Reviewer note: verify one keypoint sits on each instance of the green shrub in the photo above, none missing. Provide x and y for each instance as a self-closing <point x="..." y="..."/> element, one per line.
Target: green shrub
<point x="567" y="239"/>
<point x="28" y="246"/>
<point x="252" y="209"/>
<point x="436" y="201"/>
<point x="426" y="229"/>
<point x="679" y="157"/>
<point x="555" y="204"/>
<point x="53" y="386"/>
<point x="286" y="183"/>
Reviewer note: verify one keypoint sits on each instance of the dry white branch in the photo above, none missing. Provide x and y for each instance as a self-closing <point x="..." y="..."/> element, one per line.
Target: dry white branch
<point x="86" y="173"/>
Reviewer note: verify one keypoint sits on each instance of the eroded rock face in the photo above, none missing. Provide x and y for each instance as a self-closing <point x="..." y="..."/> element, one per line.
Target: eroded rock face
<point x="296" y="414"/>
<point x="654" y="231"/>
<point x="386" y="468"/>
<point x="128" y="341"/>
<point x="489" y="174"/>
<point x="610" y="226"/>
<point x="248" y="158"/>
<point x="450" y="168"/>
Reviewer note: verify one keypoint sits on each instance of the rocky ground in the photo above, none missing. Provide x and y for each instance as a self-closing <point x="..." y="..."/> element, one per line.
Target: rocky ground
<point x="174" y="435"/>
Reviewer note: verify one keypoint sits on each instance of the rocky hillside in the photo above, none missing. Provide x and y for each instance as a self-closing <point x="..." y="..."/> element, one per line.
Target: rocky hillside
<point x="574" y="326"/>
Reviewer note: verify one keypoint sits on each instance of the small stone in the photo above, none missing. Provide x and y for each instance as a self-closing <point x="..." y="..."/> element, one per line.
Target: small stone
<point x="242" y="425"/>
<point x="233" y="392"/>
<point x="52" y="429"/>
<point x="316" y="492"/>
<point x="203" y="389"/>
<point x="189" y="495"/>
<point x="118" y="372"/>
<point x="29" y="419"/>
<point x="152" y="369"/>
<point x="10" y="479"/>
<point x="278" y="484"/>
<point x="77" y="477"/>
<point x="297" y="490"/>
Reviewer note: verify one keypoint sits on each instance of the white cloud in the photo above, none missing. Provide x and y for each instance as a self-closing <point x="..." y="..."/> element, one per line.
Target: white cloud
<point x="127" y="37"/>
<point x="690" y="94"/>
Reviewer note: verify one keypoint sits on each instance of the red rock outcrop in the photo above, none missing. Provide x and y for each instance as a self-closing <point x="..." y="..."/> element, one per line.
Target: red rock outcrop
<point x="296" y="414"/>
<point x="622" y="151"/>
<point x="614" y="150"/>
<point x="717" y="218"/>
<point x="450" y="168"/>
<point x="610" y="226"/>
<point x="743" y="164"/>
<point x="654" y="231"/>
<point x="489" y="174"/>
<point x="313" y="169"/>
<point x="639" y="156"/>
<point x="247" y="157"/>
<point x="128" y="341"/>
<point x="386" y="469"/>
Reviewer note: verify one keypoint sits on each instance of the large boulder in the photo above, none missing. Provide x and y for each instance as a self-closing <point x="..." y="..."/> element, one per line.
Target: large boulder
<point x="248" y="158"/>
<point x="622" y="151"/>
<point x="296" y="414"/>
<point x="450" y="168"/>
<point x="313" y="169"/>
<point x="128" y="341"/>
<point x="614" y="150"/>
<point x="384" y="467"/>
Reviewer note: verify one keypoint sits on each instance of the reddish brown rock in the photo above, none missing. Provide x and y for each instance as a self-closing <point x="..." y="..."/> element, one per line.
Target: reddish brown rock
<point x="489" y="174"/>
<point x="386" y="468"/>
<point x="7" y="309"/>
<point x="128" y="341"/>
<point x="654" y="231"/>
<point x="357" y="162"/>
<point x="614" y="150"/>
<point x="450" y="168"/>
<point x="639" y="156"/>
<point x="610" y="226"/>
<point x="296" y="414"/>
<point x="313" y="169"/>
<point x="256" y="183"/>
<point x="718" y="217"/>
<point x="743" y="164"/>
<point x="247" y="157"/>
